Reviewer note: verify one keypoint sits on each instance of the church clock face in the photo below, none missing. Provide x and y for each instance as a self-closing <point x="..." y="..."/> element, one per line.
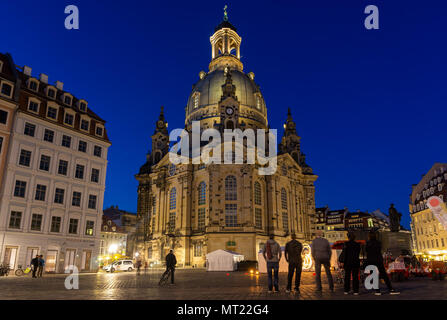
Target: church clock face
<point x="229" y="111"/>
<point x="160" y="124"/>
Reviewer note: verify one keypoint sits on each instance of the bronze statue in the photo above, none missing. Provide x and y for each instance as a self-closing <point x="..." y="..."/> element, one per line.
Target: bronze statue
<point x="394" y="219"/>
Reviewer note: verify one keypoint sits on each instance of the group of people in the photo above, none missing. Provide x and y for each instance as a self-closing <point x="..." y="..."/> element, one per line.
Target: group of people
<point x="38" y="264"/>
<point x="349" y="259"/>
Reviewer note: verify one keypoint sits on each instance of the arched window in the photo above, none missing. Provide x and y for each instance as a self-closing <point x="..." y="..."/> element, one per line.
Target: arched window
<point x="230" y="188"/>
<point x="283" y="199"/>
<point x="202" y="193"/>
<point x="172" y="199"/>
<point x="258" y="194"/>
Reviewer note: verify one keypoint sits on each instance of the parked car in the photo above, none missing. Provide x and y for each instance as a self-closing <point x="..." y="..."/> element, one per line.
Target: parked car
<point x="121" y="265"/>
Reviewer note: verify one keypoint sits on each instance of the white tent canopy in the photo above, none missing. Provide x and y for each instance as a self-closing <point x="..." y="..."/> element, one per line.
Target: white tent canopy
<point x="222" y="260"/>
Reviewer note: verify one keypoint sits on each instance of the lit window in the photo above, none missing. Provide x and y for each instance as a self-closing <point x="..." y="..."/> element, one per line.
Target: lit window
<point x="89" y="226"/>
<point x="196" y="100"/>
<point x="172" y="199"/>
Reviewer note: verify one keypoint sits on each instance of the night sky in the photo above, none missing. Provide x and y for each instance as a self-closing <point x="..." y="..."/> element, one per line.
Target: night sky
<point x="370" y="105"/>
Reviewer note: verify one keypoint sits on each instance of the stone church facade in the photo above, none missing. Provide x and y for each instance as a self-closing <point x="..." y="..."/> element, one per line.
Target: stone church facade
<point x="196" y="208"/>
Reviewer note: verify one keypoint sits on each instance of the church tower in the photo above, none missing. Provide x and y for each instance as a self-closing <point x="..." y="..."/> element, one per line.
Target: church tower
<point x="160" y="139"/>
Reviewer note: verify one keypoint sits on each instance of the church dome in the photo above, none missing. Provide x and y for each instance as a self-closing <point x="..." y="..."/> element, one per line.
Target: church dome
<point x="208" y="91"/>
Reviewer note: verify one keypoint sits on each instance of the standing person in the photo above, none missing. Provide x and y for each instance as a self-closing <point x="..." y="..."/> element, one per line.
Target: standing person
<point x="41" y="266"/>
<point x="321" y="253"/>
<point x="350" y="261"/>
<point x="272" y="255"/>
<point x="35" y="265"/>
<point x="293" y="257"/>
<point x="145" y="267"/>
<point x="171" y="261"/>
<point x="138" y="266"/>
<point x="374" y="257"/>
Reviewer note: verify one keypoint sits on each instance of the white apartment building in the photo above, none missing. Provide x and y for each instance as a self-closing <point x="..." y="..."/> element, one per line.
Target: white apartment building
<point x="52" y="194"/>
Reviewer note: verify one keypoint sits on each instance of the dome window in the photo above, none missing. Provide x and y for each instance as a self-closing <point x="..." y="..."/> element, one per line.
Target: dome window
<point x="196" y="100"/>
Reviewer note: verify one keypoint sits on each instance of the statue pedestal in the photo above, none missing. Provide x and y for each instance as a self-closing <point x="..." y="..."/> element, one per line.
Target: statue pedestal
<point x="395" y="241"/>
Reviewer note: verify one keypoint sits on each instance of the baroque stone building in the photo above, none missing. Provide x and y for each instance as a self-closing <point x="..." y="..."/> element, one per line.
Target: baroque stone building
<point x="197" y="208"/>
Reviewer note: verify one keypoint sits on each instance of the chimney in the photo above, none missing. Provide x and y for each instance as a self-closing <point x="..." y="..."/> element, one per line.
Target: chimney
<point x="44" y="78"/>
<point x="27" y="70"/>
<point x="60" y="85"/>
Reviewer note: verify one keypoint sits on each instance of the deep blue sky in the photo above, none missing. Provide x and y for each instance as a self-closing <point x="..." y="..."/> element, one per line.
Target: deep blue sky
<point x="370" y="106"/>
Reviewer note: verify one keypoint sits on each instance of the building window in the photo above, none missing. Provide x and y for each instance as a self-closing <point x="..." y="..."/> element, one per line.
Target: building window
<point x="67" y="100"/>
<point x="59" y="196"/>
<point x="25" y="158"/>
<point x="15" y="220"/>
<point x="36" y="222"/>
<point x="258" y="102"/>
<point x="79" y="174"/>
<point x="201" y="218"/>
<point x="83" y="106"/>
<point x="66" y="141"/>
<point x="44" y="163"/>
<point x="33" y="106"/>
<point x="30" y="129"/>
<point x="258" y="198"/>
<point x="258" y="218"/>
<point x="196" y="100"/>
<point x="33" y="85"/>
<point x="3" y="116"/>
<point x="51" y="93"/>
<point x="230" y="188"/>
<point x="84" y="125"/>
<point x="284" y="169"/>
<point x="97" y="151"/>
<point x="172" y="169"/>
<point x="92" y="201"/>
<point x="197" y="250"/>
<point x="41" y="190"/>
<point x="55" y="224"/>
<point x="231" y="215"/>
<point x="82" y="146"/>
<point x="285" y="221"/>
<point x="89" y="226"/>
<point x="172" y="217"/>
<point x="76" y="201"/>
<point x="6" y="89"/>
<point x="95" y="175"/>
<point x="73" y="226"/>
<point x="172" y="199"/>
<point x="69" y="118"/>
<point x="283" y="199"/>
<point x="63" y="167"/>
<point x="48" y="135"/>
<point x="202" y="193"/>
<point x="20" y="188"/>
<point x="52" y="113"/>
<point x="1" y="144"/>
<point x="149" y="252"/>
<point x="99" y="131"/>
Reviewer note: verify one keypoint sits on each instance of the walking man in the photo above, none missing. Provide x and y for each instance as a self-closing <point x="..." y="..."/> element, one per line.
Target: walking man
<point x="321" y="253"/>
<point x="350" y="261"/>
<point x="374" y="257"/>
<point x="171" y="261"/>
<point x="41" y="266"/>
<point x="35" y="265"/>
<point x="293" y="257"/>
<point x="272" y="256"/>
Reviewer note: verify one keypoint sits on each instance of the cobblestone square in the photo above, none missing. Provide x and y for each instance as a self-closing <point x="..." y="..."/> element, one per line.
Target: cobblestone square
<point x="198" y="285"/>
